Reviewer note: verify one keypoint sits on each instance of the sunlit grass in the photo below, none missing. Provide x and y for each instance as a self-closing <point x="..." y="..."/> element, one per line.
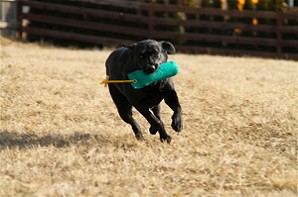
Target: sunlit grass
<point x="60" y="133"/>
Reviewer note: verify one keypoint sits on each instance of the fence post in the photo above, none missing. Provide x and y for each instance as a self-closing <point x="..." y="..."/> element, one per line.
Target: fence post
<point x="278" y="32"/>
<point x="19" y="19"/>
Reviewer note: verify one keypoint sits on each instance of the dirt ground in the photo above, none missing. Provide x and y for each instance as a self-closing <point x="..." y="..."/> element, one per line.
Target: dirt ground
<point x="60" y="134"/>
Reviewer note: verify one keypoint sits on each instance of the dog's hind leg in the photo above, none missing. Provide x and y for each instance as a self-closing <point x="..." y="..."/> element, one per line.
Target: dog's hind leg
<point x="125" y="111"/>
<point x="163" y="135"/>
<point x="156" y="123"/>
<point x="156" y="112"/>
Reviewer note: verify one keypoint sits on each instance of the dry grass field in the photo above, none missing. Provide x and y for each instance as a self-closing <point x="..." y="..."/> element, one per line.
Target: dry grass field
<point x="61" y="135"/>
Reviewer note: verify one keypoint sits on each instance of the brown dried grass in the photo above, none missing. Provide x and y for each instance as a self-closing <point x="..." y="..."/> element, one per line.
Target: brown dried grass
<point x="61" y="134"/>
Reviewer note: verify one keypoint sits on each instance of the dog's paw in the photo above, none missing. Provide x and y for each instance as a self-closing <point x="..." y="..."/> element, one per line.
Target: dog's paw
<point x="166" y="138"/>
<point x="153" y="130"/>
<point x="177" y="124"/>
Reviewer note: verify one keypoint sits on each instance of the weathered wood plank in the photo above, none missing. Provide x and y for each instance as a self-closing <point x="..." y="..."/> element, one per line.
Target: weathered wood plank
<point x="145" y="20"/>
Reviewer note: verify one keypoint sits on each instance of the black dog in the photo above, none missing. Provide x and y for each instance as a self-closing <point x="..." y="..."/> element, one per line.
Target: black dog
<point x="146" y="55"/>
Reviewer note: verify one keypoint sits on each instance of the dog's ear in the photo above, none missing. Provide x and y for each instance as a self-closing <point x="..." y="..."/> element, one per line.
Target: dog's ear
<point x="168" y="47"/>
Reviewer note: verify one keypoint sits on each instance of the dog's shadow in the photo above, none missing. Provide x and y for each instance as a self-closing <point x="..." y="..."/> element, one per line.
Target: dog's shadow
<point x="15" y="140"/>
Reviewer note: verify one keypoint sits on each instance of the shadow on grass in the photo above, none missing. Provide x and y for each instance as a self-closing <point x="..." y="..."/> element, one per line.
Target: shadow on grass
<point x="15" y="140"/>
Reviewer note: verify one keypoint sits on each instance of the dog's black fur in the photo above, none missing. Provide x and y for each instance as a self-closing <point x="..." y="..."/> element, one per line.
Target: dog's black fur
<point x="146" y="55"/>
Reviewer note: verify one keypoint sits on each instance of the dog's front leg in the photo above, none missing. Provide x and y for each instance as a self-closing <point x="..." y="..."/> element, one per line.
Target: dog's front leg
<point x="156" y="124"/>
<point x="172" y="101"/>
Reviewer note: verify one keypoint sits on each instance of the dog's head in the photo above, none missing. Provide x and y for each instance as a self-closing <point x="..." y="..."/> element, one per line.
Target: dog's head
<point x="147" y="55"/>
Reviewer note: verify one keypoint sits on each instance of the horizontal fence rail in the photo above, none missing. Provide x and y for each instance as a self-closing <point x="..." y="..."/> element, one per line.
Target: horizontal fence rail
<point x="191" y="29"/>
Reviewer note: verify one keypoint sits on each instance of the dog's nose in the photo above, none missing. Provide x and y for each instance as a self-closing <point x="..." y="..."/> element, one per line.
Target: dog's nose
<point x="151" y="68"/>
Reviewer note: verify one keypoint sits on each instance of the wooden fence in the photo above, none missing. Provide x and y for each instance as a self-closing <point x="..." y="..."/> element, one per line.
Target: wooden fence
<point x="8" y="17"/>
<point x="191" y="29"/>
